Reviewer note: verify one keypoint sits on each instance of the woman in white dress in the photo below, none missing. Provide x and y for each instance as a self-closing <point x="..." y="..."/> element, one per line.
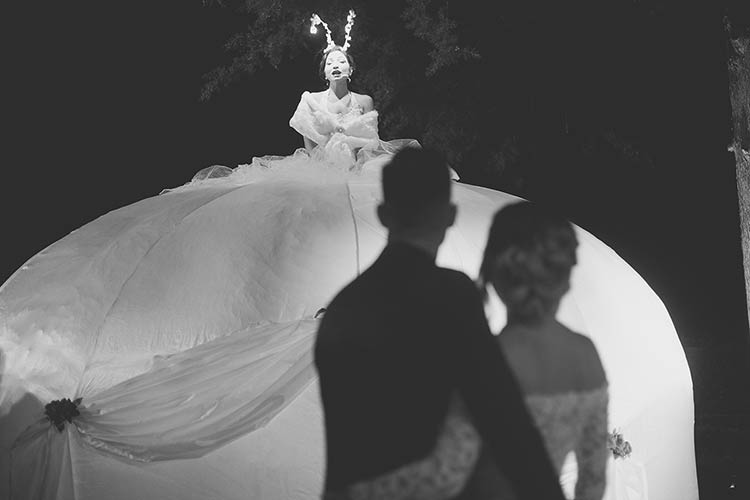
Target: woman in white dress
<point x="337" y="105"/>
<point x="528" y="261"/>
<point x="339" y="127"/>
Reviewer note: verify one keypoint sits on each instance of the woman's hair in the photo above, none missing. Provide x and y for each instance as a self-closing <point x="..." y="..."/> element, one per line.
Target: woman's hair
<point x="335" y="48"/>
<point x="528" y="259"/>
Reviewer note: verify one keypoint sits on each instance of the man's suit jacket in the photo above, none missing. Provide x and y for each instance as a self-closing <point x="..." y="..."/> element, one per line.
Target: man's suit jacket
<point x="392" y="349"/>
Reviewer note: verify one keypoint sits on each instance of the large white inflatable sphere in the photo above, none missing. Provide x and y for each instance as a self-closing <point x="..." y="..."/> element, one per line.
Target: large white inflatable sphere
<point x="185" y="323"/>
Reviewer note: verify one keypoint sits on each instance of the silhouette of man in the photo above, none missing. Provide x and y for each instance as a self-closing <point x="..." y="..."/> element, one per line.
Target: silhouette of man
<point x="405" y="336"/>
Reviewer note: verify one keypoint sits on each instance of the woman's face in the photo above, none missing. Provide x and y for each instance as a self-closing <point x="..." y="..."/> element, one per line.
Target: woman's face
<point x="337" y="66"/>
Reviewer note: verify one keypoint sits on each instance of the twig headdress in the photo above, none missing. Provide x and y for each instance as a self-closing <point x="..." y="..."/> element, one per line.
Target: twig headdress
<point x="315" y="20"/>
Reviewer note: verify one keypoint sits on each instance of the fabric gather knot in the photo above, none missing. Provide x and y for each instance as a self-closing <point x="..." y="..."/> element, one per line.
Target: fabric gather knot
<point x="60" y="410"/>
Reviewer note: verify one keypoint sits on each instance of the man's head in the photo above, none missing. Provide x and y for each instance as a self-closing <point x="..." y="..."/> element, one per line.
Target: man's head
<point x="416" y="203"/>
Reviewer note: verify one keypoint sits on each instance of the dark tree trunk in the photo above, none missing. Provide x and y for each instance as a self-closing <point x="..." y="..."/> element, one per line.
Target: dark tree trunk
<point x="739" y="93"/>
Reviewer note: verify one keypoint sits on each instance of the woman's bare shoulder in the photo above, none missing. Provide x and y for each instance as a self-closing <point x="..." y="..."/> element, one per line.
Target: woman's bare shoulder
<point x="584" y="353"/>
<point x="559" y="361"/>
<point x="365" y="101"/>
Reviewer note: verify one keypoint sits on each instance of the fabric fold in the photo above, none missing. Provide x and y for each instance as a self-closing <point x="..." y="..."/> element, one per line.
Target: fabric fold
<point x="187" y="405"/>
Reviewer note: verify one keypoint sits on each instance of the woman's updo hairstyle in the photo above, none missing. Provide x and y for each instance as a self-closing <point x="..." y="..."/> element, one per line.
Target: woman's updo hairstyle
<point x="528" y="259"/>
<point x="324" y="56"/>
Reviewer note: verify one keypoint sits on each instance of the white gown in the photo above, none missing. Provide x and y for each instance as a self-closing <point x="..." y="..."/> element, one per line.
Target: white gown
<point x="185" y="322"/>
<point x="575" y="423"/>
<point x="573" y="426"/>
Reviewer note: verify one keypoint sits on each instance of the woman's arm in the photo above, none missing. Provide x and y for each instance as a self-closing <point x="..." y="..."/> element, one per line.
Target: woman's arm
<point x="592" y="453"/>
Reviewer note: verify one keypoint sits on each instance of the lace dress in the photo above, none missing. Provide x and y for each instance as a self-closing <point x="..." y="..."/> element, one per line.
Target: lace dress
<point x="441" y="475"/>
<point x="576" y="422"/>
<point x="568" y="422"/>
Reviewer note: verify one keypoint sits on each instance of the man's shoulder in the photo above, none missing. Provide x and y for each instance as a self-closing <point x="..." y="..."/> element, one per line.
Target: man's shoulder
<point x="455" y="274"/>
<point x="368" y="288"/>
<point x="452" y="279"/>
<point x="352" y="293"/>
<point x="349" y="290"/>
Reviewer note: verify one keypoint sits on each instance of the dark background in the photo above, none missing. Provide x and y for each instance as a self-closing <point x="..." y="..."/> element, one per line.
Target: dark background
<point x="102" y="103"/>
<point x="104" y="110"/>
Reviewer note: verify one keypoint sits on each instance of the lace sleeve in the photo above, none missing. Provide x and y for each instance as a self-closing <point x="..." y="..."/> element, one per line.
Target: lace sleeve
<point x="591" y="451"/>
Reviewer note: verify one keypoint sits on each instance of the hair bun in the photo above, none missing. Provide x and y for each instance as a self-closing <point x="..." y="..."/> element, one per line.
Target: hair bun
<point x="528" y="259"/>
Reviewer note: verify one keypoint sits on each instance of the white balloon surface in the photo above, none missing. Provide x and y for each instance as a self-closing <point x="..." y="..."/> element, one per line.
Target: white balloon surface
<point x="185" y="322"/>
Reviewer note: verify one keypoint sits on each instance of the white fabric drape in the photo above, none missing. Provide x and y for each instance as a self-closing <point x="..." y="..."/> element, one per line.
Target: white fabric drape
<point x="187" y="405"/>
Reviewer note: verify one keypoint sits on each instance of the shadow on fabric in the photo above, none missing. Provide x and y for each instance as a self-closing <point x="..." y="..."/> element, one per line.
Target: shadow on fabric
<point x="25" y="411"/>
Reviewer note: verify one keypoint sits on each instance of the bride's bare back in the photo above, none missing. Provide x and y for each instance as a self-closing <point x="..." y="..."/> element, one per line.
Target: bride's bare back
<point x="551" y="359"/>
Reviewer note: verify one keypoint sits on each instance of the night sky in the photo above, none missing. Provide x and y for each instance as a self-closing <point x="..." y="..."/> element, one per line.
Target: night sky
<point x="103" y="111"/>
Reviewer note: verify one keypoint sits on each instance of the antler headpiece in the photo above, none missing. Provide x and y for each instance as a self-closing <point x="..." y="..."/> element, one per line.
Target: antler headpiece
<point x="315" y="20"/>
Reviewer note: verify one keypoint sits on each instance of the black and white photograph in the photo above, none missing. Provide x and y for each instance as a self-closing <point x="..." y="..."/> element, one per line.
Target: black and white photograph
<point x="376" y="250"/>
